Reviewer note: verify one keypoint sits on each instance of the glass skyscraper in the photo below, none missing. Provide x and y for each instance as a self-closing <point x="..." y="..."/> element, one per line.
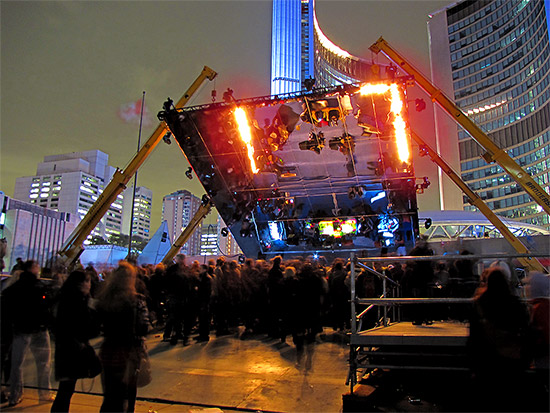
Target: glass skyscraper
<point x="493" y="58"/>
<point x="291" y="44"/>
<point x="301" y="51"/>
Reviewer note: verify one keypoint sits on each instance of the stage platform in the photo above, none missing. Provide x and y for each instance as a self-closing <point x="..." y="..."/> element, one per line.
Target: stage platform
<point x="440" y="333"/>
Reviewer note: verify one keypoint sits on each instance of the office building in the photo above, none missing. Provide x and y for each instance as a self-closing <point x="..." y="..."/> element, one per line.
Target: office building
<point x="177" y="209"/>
<point x="493" y="59"/>
<point x="227" y="244"/>
<point x="209" y="240"/>
<point x="143" y="202"/>
<point x="71" y="183"/>
<point x="214" y="242"/>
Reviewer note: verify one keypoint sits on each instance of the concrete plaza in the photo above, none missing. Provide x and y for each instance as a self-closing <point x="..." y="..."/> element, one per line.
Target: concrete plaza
<point x="225" y="374"/>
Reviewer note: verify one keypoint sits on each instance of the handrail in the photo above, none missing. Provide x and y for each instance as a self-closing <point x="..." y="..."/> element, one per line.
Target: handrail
<point x="378" y="274"/>
<point x="399" y="301"/>
<point x="449" y="257"/>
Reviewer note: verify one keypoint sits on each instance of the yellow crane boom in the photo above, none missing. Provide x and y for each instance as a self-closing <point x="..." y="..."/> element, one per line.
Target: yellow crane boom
<point x="474" y="199"/>
<point x="72" y="248"/>
<point x="202" y="212"/>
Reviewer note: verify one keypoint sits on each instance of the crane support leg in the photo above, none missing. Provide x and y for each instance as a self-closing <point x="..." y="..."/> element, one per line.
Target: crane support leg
<point x="532" y="263"/>
<point x="202" y="212"/>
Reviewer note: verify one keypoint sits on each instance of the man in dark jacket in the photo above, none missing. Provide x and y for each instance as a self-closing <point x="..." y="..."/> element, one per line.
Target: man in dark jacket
<point x="176" y="285"/>
<point x="26" y="308"/>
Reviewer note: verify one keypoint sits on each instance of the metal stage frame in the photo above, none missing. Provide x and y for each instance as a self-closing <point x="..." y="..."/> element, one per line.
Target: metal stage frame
<point x="394" y="344"/>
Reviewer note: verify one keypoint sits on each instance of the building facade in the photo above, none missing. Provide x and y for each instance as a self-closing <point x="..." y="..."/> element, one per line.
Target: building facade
<point x="32" y="232"/>
<point x="143" y="203"/>
<point x="177" y="210"/>
<point x="227" y="243"/>
<point x="291" y="45"/>
<point x="493" y="58"/>
<point x="209" y="240"/>
<point x="72" y="182"/>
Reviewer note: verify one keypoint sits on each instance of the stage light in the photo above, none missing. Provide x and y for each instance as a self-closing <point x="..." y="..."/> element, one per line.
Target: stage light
<point x="189" y="173"/>
<point x="315" y="143"/>
<point x="224" y="232"/>
<point x="246" y="229"/>
<point x="274" y="231"/>
<point x="242" y="259"/>
<point x="419" y="104"/>
<point x="378" y="196"/>
<point x="428" y="223"/>
<point x="309" y="83"/>
<point x="166" y="138"/>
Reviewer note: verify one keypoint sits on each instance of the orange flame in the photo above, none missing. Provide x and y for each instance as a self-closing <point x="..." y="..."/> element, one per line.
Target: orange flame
<point x="246" y="136"/>
<point x="401" y="138"/>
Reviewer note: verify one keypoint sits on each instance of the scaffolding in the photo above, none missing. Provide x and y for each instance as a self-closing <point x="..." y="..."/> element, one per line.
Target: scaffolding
<point x="394" y="344"/>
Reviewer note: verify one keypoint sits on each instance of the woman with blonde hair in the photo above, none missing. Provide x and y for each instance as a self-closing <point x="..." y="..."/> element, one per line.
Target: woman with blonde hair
<point x="125" y="319"/>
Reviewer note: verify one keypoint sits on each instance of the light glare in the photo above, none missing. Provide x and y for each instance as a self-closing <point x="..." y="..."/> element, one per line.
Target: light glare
<point x="246" y="136"/>
<point x="401" y="139"/>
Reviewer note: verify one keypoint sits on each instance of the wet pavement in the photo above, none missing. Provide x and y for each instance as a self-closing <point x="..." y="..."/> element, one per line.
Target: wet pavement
<point x="226" y="374"/>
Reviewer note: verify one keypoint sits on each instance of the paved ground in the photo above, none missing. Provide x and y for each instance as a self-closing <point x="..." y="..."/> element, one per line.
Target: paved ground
<point x="225" y="374"/>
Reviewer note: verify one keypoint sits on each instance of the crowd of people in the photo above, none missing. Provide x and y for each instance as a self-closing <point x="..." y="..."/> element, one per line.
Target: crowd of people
<point x="281" y="298"/>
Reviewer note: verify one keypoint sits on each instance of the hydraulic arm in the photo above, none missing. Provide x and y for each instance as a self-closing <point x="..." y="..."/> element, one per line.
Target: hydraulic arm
<point x="72" y="248"/>
<point x="202" y="212"/>
<point x="474" y="199"/>
<point x="493" y="152"/>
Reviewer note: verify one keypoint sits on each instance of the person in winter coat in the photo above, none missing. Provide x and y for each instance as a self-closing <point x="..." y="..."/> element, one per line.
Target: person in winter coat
<point x="418" y="278"/>
<point x="275" y="289"/>
<point x="498" y="327"/>
<point x="74" y="325"/>
<point x="25" y="305"/>
<point x="307" y="294"/>
<point x="204" y="295"/>
<point x="125" y="321"/>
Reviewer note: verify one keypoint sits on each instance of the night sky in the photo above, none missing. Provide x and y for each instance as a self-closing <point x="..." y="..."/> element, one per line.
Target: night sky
<point x="68" y="67"/>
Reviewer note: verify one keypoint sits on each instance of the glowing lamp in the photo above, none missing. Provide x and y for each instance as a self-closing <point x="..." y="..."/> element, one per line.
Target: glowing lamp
<point x="246" y="136"/>
<point x="399" y="125"/>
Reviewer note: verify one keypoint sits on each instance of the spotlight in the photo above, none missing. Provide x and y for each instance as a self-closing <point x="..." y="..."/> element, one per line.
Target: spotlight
<point x="420" y="105"/>
<point x="246" y="229"/>
<point x="228" y="96"/>
<point x="242" y="259"/>
<point x="224" y="232"/>
<point x="205" y="199"/>
<point x="189" y="173"/>
<point x="428" y="223"/>
<point x="168" y="105"/>
<point x="309" y="83"/>
<point x="166" y="138"/>
<point x="315" y="143"/>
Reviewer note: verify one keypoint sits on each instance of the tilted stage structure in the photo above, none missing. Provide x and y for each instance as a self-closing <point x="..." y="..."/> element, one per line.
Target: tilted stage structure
<point x="323" y="171"/>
